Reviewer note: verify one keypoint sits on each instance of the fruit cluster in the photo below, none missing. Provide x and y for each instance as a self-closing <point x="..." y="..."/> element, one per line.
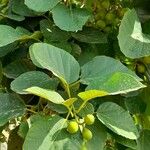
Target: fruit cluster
<point x="73" y="127"/>
<point x="108" y="14"/>
<point x="141" y="66"/>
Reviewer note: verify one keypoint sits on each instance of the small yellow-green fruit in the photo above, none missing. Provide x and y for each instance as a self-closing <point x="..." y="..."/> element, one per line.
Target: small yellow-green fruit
<point x="105" y="4"/>
<point x="116" y="21"/>
<point x="122" y="12"/>
<point x="89" y="119"/>
<point x="87" y="134"/>
<point x="146" y="60"/>
<point x="101" y="14"/>
<point x="72" y="127"/>
<point x="141" y="68"/>
<point x="110" y="17"/>
<point x="83" y="147"/>
<point x="107" y="29"/>
<point x="101" y="24"/>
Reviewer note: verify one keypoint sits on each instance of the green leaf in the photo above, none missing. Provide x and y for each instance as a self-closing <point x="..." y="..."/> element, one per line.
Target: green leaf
<point x="143" y="142"/>
<point x="53" y="136"/>
<point x="135" y="105"/>
<point x="11" y="107"/>
<point x="23" y="129"/>
<point x="40" y="5"/>
<point x="62" y="64"/>
<point x="117" y="119"/>
<point x="70" y="19"/>
<point x="118" y="83"/>
<point x="18" y="7"/>
<point x="99" y="136"/>
<point x="46" y="94"/>
<point x="59" y="108"/>
<point x="52" y="33"/>
<point x="102" y="67"/>
<point x="90" y="94"/>
<point x="1" y="71"/>
<point x="124" y="141"/>
<point x="133" y="43"/>
<point x="90" y="35"/>
<point x="8" y="35"/>
<point x="17" y="67"/>
<point x="30" y="79"/>
<point x="8" y="48"/>
<point x="88" y="108"/>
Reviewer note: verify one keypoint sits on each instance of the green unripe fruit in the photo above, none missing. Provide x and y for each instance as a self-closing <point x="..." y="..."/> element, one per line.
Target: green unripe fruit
<point x="83" y="147"/>
<point x="99" y="6"/>
<point x="100" y="15"/>
<point x="89" y="119"/>
<point x="122" y="12"/>
<point x="87" y="134"/>
<point x="116" y="21"/>
<point x="101" y="24"/>
<point x="107" y="29"/>
<point x="110" y="17"/>
<point x="141" y="68"/>
<point x="146" y="60"/>
<point x="72" y="127"/>
<point x="105" y="4"/>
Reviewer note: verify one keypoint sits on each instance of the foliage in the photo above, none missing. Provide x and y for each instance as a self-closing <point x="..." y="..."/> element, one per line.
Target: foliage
<point x="74" y="74"/>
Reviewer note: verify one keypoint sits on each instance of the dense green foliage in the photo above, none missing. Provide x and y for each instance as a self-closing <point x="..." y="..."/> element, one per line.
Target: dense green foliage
<point x="74" y="75"/>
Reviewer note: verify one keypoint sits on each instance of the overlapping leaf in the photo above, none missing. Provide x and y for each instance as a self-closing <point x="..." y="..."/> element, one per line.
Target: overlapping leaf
<point x="53" y="136"/>
<point x="70" y="19"/>
<point x="62" y="64"/>
<point x="11" y="107"/>
<point x="41" y="5"/>
<point x="133" y="43"/>
<point x="31" y="79"/>
<point x="117" y="119"/>
<point x="46" y="94"/>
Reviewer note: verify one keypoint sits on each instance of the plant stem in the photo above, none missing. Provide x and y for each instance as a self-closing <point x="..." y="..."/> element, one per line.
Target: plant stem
<point x="30" y="110"/>
<point x="82" y="105"/>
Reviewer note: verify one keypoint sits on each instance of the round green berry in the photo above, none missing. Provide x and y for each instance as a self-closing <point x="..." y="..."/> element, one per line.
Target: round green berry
<point x="101" y="24"/>
<point x="87" y="134"/>
<point x="146" y="60"/>
<point x="141" y="68"/>
<point x="83" y="147"/>
<point x="72" y="127"/>
<point x="116" y="21"/>
<point x="105" y="4"/>
<point x="110" y="17"/>
<point x="122" y="12"/>
<point x="107" y="29"/>
<point x="100" y="15"/>
<point x="89" y="119"/>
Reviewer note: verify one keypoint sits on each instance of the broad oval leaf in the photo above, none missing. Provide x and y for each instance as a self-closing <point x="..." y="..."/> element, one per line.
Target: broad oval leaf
<point x="41" y="5"/>
<point x="102" y="67"/>
<point x="70" y="19"/>
<point x="18" y="7"/>
<point x="90" y="35"/>
<point x="8" y="35"/>
<point x="54" y="135"/>
<point x="30" y="79"/>
<point x="118" y="83"/>
<point x="62" y="64"/>
<point x="17" y="67"/>
<point x="143" y="141"/>
<point x="99" y="138"/>
<point x="46" y="94"/>
<point x="117" y="119"/>
<point x="133" y="43"/>
<point x="11" y="107"/>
